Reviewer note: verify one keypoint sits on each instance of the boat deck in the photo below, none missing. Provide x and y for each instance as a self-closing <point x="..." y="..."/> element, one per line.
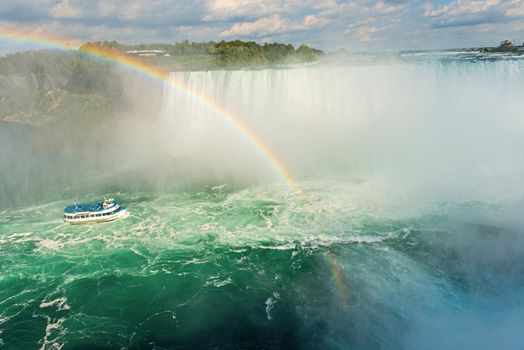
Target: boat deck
<point x="89" y="207"/>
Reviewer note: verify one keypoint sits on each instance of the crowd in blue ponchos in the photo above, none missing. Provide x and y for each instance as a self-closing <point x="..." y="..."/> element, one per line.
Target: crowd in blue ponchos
<point x="89" y="207"/>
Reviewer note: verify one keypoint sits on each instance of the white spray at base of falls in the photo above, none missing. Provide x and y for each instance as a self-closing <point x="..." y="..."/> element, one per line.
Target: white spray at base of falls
<point x="447" y="127"/>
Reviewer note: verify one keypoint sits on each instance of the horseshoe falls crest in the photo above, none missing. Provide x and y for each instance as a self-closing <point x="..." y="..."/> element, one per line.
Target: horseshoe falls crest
<point x="407" y="231"/>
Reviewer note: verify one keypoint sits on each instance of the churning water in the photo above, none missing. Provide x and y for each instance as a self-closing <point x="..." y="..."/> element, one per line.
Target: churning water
<point x="407" y="235"/>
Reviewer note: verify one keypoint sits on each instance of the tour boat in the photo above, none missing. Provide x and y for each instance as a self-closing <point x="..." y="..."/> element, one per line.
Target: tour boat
<point x="108" y="210"/>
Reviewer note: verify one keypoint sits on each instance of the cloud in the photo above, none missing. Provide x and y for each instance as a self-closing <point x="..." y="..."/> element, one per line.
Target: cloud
<point x="250" y="9"/>
<point x="367" y="20"/>
<point x="116" y="13"/>
<point x="354" y="24"/>
<point x="473" y="12"/>
<point x="462" y="8"/>
<point x="64" y="9"/>
<point x="515" y="8"/>
<point x="271" y="25"/>
<point x="226" y="9"/>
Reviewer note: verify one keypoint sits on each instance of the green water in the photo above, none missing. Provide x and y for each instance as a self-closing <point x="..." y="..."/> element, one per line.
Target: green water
<point x="252" y="268"/>
<point x="409" y="233"/>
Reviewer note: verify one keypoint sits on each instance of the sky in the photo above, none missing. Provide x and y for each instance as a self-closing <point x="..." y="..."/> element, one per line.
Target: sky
<point x="356" y="25"/>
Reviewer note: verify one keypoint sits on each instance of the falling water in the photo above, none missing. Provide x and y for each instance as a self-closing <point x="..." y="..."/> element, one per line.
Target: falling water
<point x="409" y="236"/>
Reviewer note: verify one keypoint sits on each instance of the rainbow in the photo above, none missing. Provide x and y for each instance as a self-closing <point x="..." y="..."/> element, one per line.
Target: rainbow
<point x="337" y="275"/>
<point x="138" y="66"/>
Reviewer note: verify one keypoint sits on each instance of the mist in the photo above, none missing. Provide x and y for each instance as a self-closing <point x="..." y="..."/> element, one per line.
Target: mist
<point x="411" y="173"/>
<point x="438" y="129"/>
<point x="451" y="129"/>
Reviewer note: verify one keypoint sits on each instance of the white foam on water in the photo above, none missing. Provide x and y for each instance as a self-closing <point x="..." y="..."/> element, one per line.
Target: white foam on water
<point x="218" y="281"/>
<point x="60" y="303"/>
<point x="50" y="244"/>
<point x="334" y="213"/>
<point x="52" y="327"/>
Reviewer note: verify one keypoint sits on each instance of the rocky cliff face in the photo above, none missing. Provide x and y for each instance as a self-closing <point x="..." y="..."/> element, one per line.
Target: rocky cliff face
<point x="45" y="87"/>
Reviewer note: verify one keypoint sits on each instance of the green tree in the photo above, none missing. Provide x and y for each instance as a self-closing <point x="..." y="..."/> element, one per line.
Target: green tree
<point x="506" y="45"/>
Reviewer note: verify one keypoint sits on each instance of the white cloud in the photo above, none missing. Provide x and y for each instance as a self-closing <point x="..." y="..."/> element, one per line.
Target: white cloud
<point x="366" y="20"/>
<point x="262" y="26"/>
<point x="474" y="12"/>
<point x="462" y="7"/>
<point x="515" y="8"/>
<point x="64" y="9"/>
<point x="354" y="24"/>
<point x="272" y="24"/>
<point x="225" y="9"/>
<point x="251" y="9"/>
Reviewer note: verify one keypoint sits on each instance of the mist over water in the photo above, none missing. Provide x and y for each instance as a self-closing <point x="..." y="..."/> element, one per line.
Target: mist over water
<point x="409" y="234"/>
<point x="450" y="128"/>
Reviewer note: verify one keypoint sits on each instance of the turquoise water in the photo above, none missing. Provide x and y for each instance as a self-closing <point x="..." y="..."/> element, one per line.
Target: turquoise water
<point x="408" y="234"/>
<point x="198" y="270"/>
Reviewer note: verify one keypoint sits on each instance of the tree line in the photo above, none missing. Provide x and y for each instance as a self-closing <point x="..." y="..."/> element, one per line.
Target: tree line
<point x="504" y="46"/>
<point x="226" y="53"/>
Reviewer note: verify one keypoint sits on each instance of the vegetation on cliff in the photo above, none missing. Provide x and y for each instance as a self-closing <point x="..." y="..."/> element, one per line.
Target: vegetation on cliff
<point x="38" y="87"/>
<point x="505" y="46"/>
<point x="55" y="86"/>
<point x="211" y="54"/>
<point x="41" y="87"/>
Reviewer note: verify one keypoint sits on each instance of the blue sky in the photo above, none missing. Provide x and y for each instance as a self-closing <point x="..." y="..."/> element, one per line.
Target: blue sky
<point x="358" y="25"/>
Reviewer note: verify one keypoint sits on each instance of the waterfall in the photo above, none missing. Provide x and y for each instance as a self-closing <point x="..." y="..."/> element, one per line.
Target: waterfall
<point x="454" y="124"/>
<point x="448" y="128"/>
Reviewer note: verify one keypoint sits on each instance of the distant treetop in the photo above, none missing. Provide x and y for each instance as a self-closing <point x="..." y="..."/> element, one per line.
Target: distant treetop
<point x="505" y="46"/>
<point x="225" y="53"/>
